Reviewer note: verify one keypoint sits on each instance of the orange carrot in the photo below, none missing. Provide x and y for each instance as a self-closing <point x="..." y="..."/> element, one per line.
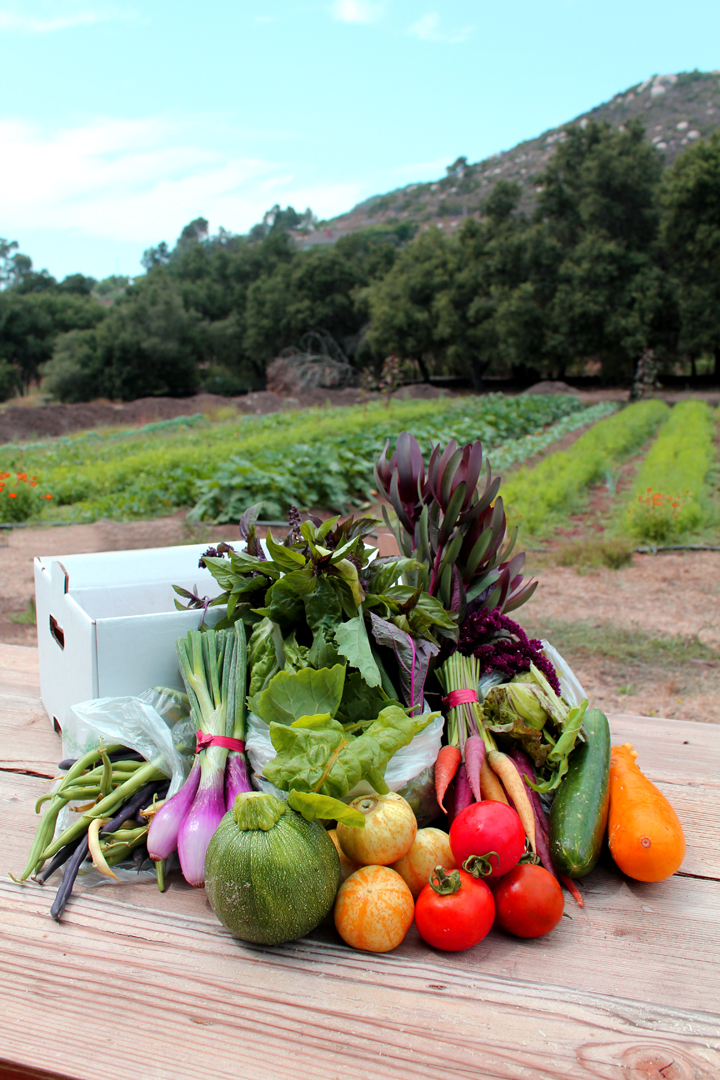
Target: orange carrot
<point x="515" y="787"/>
<point x="490" y="785"/>
<point x="446" y="765"/>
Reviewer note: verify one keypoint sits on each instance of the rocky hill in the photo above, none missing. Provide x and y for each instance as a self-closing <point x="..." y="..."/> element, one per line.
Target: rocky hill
<point x="675" y="110"/>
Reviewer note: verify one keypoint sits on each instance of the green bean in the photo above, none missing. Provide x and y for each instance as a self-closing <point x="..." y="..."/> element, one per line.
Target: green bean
<point x="43" y="835"/>
<point x="106" y="806"/>
<point x="92" y="755"/>
<point x="107" y="776"/>
<point x="112" y="858"/>
<point x="160" y="870"/>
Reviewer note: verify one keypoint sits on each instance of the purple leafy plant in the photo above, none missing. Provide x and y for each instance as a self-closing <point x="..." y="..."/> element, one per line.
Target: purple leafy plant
<point x="453" y="524"/>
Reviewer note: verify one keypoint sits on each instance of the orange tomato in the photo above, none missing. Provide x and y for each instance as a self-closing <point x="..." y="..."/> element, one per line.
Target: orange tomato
<point x="390" y="828"/>
<point x="374" y="909"/>
<point x="430" y="848"/>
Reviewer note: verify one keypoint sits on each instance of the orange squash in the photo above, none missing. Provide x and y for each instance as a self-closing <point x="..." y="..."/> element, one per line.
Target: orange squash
<point x="390" y="828"/>
<point x="374" y="909"/>
<point x="347" y="866"/>
<point x="644" y="833"/>
<point x="431" y="848"/>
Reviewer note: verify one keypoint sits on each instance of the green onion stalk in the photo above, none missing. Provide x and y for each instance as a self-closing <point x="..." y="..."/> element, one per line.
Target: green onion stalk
<point x="213" y="665"/>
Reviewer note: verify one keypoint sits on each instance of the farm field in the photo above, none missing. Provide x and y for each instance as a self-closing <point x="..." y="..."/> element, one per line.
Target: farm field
<point x="643" y="637"/>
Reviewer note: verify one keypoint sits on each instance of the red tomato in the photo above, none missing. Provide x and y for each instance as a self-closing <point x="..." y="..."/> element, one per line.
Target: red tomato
<point x="485" y="827"/>
<point x="529" y="901"/>
<point x="454" y="920"/>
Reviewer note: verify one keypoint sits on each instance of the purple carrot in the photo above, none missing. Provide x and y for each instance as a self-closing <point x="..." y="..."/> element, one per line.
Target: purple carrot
<point x="524" y="767"/>
<point x="236" y="778"/>
<point x="474" y="757"/>
<point x="165" y="825"/>
<point x="463" y="791"/>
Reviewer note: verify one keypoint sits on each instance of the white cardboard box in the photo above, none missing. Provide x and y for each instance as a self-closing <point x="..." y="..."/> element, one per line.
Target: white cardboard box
<point x="107" y="622"/>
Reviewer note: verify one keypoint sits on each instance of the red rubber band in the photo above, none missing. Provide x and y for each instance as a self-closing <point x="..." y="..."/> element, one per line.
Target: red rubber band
<point x="204" y="741"/>
<point x="459" y="697"/>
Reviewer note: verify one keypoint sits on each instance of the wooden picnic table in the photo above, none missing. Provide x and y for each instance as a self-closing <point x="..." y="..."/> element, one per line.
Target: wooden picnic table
<point x="137" y="984"/>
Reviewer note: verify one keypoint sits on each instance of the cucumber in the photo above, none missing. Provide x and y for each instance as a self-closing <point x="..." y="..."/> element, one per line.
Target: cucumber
<point x="578" y="817"/>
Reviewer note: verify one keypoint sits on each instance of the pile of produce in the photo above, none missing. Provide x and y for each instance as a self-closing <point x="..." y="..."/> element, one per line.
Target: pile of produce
<point x="377" y="737"/>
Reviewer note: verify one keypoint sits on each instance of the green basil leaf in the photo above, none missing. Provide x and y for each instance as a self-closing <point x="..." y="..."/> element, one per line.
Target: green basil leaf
<point x="352" y="642"/>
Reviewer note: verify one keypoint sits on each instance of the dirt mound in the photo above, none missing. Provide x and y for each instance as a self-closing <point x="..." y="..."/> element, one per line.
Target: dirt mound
<point x="551" y="386"/>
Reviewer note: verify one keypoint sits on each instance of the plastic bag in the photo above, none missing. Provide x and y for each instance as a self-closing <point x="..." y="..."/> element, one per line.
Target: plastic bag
<point x="403" y="767"/>
<point x="142" y="723"/>
<point x="570" y="686"/>
<point x="157" y="725"/>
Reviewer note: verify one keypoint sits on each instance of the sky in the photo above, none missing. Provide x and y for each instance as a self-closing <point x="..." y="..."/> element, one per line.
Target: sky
<point x="121" y="122"/>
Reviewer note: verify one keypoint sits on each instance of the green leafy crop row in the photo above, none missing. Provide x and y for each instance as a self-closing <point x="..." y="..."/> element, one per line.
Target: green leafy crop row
<point x="320" y="457"/>
<point x="536" y="498"/>
<point x="334" y="472"/>
<point x="673" y="493"/>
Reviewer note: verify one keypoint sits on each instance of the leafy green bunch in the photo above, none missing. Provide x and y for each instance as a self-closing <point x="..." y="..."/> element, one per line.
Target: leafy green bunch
<point x="322" y="753"/>
<point x="320" y="598"/>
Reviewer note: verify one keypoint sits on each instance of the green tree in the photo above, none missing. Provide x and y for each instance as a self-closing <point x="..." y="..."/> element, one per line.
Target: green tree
<point x="599" y="205"/>
<point x="691" y="237"/>
<point x="146" y="345"/>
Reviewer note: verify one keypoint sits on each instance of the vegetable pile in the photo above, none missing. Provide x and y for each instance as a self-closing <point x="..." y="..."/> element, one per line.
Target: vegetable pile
<point x="376" y="736"/>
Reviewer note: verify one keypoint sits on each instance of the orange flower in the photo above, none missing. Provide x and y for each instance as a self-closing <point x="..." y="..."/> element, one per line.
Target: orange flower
<point x="12" y="495"/>
<point x="48" y="496"/>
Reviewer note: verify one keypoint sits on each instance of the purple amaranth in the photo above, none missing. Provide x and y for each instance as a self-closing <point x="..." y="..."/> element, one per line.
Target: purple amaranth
<point x="502" y="645"/>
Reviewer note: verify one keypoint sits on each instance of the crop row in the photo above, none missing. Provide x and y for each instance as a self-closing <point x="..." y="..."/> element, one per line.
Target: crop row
<point x="336" y="473"/>
<point x="319" y="457"/>
<point x="538" y="498"/>
<point x="675" y="489"/>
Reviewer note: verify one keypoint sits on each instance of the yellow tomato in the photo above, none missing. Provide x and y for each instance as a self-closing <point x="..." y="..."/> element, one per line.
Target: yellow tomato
<point x="431" y="848"/>
<point x="390" y="828"/>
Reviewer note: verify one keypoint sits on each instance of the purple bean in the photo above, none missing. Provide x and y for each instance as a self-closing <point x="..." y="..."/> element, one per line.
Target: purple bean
<point x="138" y="801"/>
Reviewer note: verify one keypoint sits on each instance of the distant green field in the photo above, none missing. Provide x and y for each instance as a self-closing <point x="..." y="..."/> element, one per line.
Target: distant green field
<point x="315" y="458"/>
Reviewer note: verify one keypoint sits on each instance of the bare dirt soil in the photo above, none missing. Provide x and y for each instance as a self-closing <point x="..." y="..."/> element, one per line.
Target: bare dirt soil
<point x="24" y="420"/>
<point x="645" y="639"/>
<point x="21" y="422"/>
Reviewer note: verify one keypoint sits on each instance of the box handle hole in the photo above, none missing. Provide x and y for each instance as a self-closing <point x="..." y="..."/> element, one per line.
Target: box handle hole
<point x="57" y="632"/>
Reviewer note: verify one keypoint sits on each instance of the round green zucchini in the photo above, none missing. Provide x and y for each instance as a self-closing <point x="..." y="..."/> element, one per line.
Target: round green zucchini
<point x="270" y="875"/>
<point x="578" y="817"/>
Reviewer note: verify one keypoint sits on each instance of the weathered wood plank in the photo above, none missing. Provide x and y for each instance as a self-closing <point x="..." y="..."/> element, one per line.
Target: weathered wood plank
<point x="19" y="672"/>
<point x="628" y="988"/>
<point x="655" y="943"/>
<point x="27" y="740"/>
<point x="309" y="1009"/>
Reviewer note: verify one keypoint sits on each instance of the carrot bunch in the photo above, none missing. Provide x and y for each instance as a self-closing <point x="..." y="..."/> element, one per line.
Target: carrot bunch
<point x="471" y="761"/>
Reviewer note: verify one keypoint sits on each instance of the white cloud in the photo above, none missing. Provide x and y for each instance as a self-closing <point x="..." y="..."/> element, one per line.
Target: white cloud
<point x="142" y="180"/>
<point x="355" y="11"/>
<point x="24" y="21"/>
<point x="427" y="28"/>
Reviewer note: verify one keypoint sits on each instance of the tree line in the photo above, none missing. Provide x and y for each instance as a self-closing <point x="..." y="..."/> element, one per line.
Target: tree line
<point x="619" y="256"/>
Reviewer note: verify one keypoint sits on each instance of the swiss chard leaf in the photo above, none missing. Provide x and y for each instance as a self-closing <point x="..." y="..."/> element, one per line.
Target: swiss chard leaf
<point x="352" y="642"/>
<point x="288" y="697"/>
<point x="316" y="754"/>
<point x="412" y="655"/>
<point x="360" y="702"/>
<point x="313" y="807"/>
